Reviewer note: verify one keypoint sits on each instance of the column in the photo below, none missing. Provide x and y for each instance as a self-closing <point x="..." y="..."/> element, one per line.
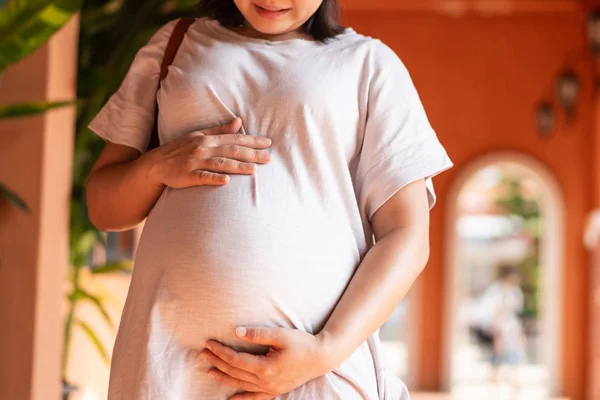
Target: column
<point x="36" y="162"/>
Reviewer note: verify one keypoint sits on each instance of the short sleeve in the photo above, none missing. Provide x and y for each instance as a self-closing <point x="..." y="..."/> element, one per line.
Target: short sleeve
<point x="128" y="116"/>
<point x="399" y="145"/>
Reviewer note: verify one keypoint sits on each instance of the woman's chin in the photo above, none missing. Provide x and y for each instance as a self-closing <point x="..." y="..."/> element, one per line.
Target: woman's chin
<point x="270" y="28"/>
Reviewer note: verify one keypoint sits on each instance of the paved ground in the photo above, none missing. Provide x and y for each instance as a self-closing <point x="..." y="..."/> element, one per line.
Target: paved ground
<point x="472" y="377"/>
<point x="443" y="396"/>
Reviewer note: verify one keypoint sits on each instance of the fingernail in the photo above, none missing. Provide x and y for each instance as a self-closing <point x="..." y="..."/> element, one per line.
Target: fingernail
<point x="241" y="332"/>
<point x="212" y="375"/>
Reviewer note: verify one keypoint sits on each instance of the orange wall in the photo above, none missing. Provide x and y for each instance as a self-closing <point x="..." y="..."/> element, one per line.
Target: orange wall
<point x="480" y="80"/>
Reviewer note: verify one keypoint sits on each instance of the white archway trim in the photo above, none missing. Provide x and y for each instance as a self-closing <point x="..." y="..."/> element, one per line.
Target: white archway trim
<point x="592" y="230"/>
<point x="551" y="257"/>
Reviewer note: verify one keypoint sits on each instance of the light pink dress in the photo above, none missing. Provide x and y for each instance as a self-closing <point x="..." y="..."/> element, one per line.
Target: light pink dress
<point x="277" y="248"/>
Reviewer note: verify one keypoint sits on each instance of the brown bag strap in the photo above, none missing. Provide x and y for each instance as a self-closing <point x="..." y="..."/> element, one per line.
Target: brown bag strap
<point x="174" y="42"/>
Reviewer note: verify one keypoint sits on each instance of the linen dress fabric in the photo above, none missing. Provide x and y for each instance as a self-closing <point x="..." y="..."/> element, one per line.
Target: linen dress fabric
<point x="277" y="248"/>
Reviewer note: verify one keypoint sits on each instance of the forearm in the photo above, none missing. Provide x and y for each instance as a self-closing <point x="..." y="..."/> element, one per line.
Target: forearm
<point x="121" y="195"/>
<point x="380" y="283"/>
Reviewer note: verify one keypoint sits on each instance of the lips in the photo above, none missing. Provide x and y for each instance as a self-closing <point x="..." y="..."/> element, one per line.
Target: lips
<point x="270" y="12"/>
<point x="272" y="8"/>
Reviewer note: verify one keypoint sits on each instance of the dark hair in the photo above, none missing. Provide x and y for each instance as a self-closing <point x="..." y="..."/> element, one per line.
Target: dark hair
<point x="507" y="270"/>
<point x="322" y="25"/>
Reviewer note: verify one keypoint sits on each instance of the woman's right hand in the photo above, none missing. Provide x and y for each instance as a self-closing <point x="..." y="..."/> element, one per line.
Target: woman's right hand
<point x="207" y="157"/>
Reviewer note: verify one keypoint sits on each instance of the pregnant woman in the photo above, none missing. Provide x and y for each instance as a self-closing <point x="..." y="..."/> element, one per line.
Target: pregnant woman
<point x="288" y="144"/>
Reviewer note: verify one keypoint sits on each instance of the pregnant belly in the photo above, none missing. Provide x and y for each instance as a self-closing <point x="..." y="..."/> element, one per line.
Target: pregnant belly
<point x="222" y="259"/>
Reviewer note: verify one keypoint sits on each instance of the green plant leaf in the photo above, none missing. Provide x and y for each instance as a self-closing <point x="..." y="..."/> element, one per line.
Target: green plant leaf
<point x="25" y="25"/>
<point x="82" y="294"/>
<point x="13" y="198"/>
<point x="100" y="237"/>
<point x="29" y="109"/>
<point x="95" y="340"/>
<point x="119" y="266"/>
<point x="83" y="246"/>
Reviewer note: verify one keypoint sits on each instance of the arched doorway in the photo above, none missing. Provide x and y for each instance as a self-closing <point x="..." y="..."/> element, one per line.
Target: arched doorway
<point x="506" y="209"/>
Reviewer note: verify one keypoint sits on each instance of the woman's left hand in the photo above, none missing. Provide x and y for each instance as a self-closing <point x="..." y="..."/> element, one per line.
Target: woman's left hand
<point x="294" y="358"/>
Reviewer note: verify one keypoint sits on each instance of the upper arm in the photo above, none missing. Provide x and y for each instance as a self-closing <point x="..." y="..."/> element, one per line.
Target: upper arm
<point x="408" y="208"/>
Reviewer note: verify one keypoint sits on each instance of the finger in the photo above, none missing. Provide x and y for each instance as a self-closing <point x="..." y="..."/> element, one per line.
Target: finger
<point x="227" y="166"/>
<point x="233" y="126"/>
<point x="199" y="177"/>
<point x="240" y="153"/>
<point x="252" y="396"/>
<point x="254" y="142"/>
<point x="267" y="336"/>
<point x="244" y="361"/>
<point x="228" y="369"/>
<point x="233" y="382"/>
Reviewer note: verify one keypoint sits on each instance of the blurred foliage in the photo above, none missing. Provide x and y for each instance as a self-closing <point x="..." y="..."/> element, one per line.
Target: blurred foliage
<point x="84" y="290"/>
<point x="29" y="109"/>
<point x="514" y="202"/>
<point x="111" y="33"/>
<point x="531" y="273"/>
<point x="26" y="25"/>
<point x="12" y="198"/>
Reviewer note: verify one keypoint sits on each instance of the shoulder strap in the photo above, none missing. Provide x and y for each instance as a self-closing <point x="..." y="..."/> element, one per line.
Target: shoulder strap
<point x="174" y="42"/>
